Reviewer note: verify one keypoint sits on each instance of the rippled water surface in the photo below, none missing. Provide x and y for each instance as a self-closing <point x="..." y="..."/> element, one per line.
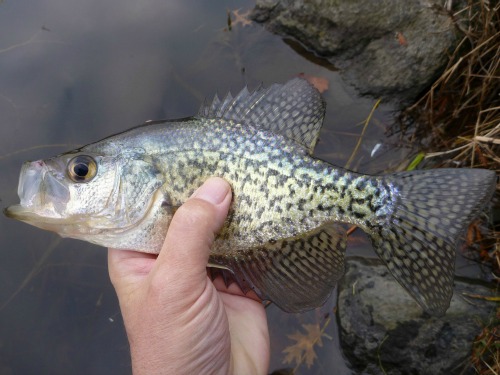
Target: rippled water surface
<point x="73" y="72"/>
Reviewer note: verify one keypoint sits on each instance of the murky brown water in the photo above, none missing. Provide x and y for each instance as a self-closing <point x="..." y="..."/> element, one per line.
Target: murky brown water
<point x="73" y="72"/>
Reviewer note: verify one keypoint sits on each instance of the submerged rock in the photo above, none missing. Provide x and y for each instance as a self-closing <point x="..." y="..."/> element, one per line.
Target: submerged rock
<point x="384" y="331"/>
<point x="391" y="48"/>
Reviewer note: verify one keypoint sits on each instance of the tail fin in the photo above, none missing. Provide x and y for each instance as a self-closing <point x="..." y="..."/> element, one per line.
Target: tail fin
<point x="419" y="240"/>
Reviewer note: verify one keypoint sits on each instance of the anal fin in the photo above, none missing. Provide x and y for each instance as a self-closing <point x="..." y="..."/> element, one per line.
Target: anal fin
<point x="297" y="274"/>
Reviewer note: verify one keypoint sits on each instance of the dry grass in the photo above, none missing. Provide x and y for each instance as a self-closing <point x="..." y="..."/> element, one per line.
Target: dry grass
<point x="459" y="117"/>
<point x="460" y="114"/>
<point x="486" y="348"/>
<point x="459" y="121"/>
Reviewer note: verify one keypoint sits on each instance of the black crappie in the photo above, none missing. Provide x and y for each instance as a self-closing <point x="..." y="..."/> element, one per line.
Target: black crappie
<point x="281" y="237"/>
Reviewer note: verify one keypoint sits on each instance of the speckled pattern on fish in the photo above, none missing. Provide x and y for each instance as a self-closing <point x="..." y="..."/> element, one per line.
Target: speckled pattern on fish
<point x="282" y="237"/>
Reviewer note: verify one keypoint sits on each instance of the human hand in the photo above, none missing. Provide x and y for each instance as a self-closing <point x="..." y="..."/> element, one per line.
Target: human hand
<point x="177" y="320"/>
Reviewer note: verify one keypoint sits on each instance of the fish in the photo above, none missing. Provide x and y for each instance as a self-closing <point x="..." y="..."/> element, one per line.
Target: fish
<point x="285" y="235"/>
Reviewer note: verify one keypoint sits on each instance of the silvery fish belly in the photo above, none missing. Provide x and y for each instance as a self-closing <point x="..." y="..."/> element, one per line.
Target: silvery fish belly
<point x="282" y="237"/>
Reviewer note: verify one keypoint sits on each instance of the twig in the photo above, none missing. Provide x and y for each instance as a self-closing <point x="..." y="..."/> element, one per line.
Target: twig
<point x="367" y="121"/>
<point x="29" y="41"/>
<point x="66" y="145"/>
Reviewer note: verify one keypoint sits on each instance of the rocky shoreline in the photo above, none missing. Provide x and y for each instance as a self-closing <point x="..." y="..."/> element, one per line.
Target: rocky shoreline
<point x="391" y="49"/>
<point x="384" y="331"/>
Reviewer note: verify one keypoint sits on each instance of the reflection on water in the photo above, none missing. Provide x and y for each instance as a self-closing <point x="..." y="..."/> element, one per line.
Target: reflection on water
<point x="76" y="71"/>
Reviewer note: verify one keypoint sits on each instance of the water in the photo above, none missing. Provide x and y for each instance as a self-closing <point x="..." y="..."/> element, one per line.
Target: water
<point x="73" y="72"/>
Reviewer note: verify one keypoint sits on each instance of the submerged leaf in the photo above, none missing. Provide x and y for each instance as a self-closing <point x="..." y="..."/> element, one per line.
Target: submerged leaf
<point x="321" y="84"/>
<point x="303" y="349"/>
<point x="241" y="18"/>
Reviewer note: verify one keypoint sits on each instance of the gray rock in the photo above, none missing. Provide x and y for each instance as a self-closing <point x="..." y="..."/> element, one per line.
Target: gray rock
<point x="382" y="327"/>
<point x="391" y="48"/>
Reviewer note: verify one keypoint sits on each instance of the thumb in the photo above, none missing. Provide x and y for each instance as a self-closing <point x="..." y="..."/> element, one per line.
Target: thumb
<point x="185" y="252"/>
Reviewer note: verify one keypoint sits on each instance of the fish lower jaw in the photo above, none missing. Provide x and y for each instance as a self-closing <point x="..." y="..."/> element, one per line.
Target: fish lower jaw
<point x="61" y="225"/>
<point x="23" y="213"/>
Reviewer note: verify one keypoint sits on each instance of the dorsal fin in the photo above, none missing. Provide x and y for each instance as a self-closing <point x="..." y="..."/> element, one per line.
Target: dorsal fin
<point x="294" y="109"/>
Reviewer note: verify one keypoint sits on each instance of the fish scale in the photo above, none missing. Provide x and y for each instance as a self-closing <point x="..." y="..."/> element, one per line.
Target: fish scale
<point x="283" y="236"/>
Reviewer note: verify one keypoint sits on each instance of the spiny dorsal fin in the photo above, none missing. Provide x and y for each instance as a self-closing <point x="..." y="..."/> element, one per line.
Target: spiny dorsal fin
<point x="294" y="109"/>
<point x="297" y="274"/>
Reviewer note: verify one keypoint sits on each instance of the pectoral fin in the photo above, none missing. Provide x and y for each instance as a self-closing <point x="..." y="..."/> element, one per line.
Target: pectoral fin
<point x="297" y="274"/>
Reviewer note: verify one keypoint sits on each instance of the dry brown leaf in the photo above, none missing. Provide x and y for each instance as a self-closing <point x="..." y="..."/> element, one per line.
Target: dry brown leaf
<point x="320" y="83"/>
<point x="401" y="39"/>
<point x="303" y="349"/>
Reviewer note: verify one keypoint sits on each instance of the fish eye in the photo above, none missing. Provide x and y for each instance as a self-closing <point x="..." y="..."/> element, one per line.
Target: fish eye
<point x="82" y="168"/>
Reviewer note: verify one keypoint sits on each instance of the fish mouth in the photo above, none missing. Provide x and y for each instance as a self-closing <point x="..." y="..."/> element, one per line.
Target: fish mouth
<point x="40" y="187"/>
<point x="43" y="196"/>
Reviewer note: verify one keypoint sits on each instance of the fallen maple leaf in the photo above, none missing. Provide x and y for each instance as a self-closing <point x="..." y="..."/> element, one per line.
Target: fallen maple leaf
<point x="304" y="345"/>
<point x="320" y="83"/>
<point x="241" y="18"/>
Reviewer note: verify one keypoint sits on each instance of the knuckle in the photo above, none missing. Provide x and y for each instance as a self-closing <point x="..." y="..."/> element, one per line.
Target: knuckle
<point x="194" y="213"/>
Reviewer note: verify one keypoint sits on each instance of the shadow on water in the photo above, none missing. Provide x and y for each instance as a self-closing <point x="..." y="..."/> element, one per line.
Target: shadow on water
<point x="75" y="72"/>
